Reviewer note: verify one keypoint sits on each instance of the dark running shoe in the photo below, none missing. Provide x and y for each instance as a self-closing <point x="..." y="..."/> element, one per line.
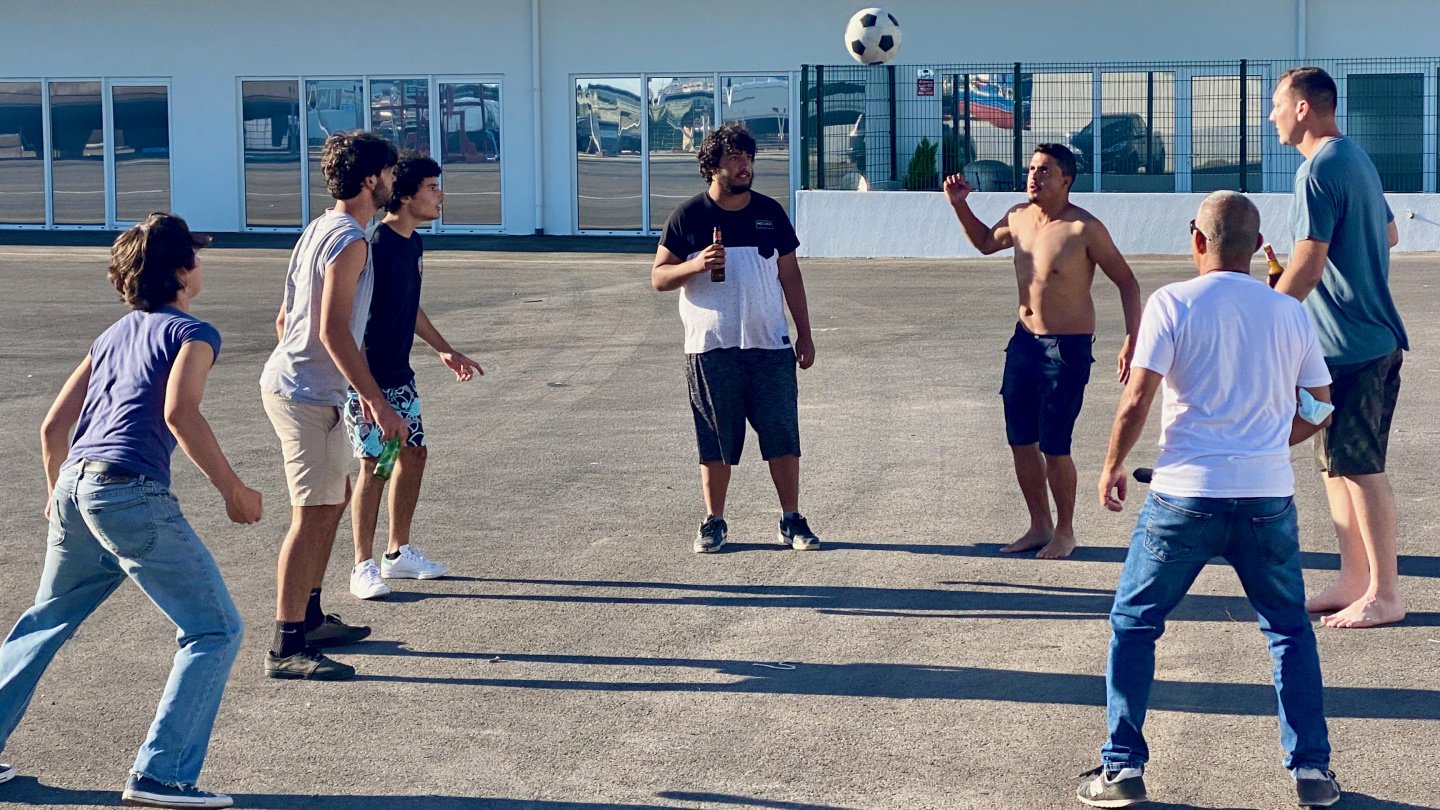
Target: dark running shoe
<point x="795" y="533"/>
<point x="712" y="535"/>
<point x="334" y="633"/>
<point x="306" y="665"/>
<point x="1103" y="788"/>
<point x="146" y="792"/>
<point x="1316" y="788"/>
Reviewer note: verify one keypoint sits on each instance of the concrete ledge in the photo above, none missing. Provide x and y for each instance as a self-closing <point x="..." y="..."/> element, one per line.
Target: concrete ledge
<point x="879" y="224"/>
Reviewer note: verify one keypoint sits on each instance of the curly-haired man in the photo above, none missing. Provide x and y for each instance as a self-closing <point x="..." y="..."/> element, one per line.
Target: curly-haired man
<point x="740" y="361"/>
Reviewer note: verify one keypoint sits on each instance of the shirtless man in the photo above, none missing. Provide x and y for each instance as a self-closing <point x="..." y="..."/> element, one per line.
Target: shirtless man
<point x="1047" y="364"/>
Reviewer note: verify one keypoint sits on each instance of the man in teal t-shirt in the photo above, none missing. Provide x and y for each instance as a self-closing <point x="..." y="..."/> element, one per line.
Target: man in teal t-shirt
<point x="1340" y="270"/>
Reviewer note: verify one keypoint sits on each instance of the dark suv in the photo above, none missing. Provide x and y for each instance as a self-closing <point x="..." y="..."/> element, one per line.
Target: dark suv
<point x="1122" y="146"/>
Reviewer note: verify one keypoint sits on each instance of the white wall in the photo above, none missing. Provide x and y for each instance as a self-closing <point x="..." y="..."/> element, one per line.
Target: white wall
<point x="876" y="224"/>
<point x="204" y="46"/>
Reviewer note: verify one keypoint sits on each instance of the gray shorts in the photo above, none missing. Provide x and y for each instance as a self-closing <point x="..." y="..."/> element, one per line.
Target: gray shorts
<point x="729" y="387"/>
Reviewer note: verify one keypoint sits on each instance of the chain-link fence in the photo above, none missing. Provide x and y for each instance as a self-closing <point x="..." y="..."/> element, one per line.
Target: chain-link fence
<point x="1133" y="126"/>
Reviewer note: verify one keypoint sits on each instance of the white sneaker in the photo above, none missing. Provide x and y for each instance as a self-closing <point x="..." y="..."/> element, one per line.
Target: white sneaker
<point x="411" y="565"/>
<point x="365" y="581"/>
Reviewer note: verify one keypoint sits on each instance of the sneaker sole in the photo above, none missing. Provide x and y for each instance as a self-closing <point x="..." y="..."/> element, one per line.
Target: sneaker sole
<point x="711" y="549"/>
<point x="1331" y="803"/>
<point x="784" y="541"/>
<point x="299" y="676"/>
<point x="7" y="774"/>
<point x="141" y="799"/>
<point x="1112" y="802"/>
<point x="384" y="575"/>
<point x="372" y="597"/>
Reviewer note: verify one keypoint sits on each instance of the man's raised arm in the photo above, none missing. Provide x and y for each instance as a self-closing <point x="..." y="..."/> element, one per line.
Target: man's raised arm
<point x="986" y="239"/>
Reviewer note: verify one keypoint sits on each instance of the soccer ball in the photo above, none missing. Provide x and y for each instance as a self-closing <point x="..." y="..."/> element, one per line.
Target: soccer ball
<point x="873" y="36"/>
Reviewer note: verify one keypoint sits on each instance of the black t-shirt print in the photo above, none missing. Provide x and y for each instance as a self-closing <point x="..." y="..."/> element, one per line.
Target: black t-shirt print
<point x="763" y="225"/>
<point x="394" y="307"/>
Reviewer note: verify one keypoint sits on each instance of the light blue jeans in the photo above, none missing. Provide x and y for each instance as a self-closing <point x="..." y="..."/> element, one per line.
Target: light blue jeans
<point x="102" y="530"/>
<point x="1174" y="538"/>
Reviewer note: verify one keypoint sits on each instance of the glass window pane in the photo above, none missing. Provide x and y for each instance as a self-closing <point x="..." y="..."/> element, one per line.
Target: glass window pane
<point x="331" y="106"/>
<point x="682" y="113"/>
<point x="400" y="111"/>
<point x="983" y="107"/>
<point x="763" y="103"/>
<point x="77" y="137"/>
<point x="142" y="151"/>
<point x="1137" y="132"/>
<point x="1385" y="117"/>
<point x="607" y="147"/>
<point x="22" y="162"/>
<point x="271" y="121"/>
<point x="470" y="153"/>
<point x="842" y="97"/>
<point x="1215" y="132"/>
<point x="1056" y="106"/>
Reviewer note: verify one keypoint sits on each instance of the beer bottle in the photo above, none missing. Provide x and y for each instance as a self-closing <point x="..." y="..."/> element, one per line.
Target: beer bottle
<point x="717" y="274"/>
<point x="385" y="464"/>
<point x="1275" y="269"/>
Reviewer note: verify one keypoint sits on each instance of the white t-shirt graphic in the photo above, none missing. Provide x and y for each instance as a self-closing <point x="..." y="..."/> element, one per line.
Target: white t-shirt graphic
<point x="1232" y="352"/>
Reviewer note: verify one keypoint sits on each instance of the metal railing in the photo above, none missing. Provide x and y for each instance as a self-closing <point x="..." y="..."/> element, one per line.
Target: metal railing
<point x="1162" y="126"/>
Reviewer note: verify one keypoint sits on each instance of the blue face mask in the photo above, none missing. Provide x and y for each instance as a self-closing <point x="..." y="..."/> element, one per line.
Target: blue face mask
<point x="1313" y="410"/>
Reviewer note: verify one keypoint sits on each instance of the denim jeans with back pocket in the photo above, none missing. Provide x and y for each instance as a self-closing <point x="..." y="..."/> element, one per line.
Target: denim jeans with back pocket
<point x="103" y="530"/>
<point x="1173" y="540"/>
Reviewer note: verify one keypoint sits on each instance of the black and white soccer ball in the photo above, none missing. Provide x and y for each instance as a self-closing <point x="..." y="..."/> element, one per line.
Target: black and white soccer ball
<point x="873" y="36"/>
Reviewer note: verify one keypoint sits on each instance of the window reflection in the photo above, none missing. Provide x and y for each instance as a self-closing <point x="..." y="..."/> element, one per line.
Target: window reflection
<point x="470" y="152"/>
<point x="271" y="122"/>
<point x="682" y="113"/>
<point x="1386" y="118"/>
<point x="22" y="162"/>
<point x="400" y="111"/>
<point x="331" y="106"/>
<point x="77" y="139"/>
<point x="1137" y="132"/>
<point x="1215" y="132"/>
<point x="763" y="104"/>
<point x="141" y="117"/>
<point x="607" y="152"/>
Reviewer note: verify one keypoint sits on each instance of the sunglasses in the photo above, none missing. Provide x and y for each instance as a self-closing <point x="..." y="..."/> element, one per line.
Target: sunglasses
<point x="1195" y="229"/>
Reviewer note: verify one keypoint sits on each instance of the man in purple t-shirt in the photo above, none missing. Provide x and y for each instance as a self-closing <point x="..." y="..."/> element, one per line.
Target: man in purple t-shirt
<point x="112" y="517"/>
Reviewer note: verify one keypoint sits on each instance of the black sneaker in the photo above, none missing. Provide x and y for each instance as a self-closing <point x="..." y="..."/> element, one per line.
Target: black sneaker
<point x="306" y="665"/>
<point x="795" y="533"/>
<point x="1121" y="788"/>
<point x="334" y="633"/>
<point x="147" y="792"/>
<point x="1316" y="788"/>
<point x="712" y="535"/>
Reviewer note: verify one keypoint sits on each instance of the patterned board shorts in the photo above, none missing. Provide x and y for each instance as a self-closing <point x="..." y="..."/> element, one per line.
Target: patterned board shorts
<point x="365" y="435"/>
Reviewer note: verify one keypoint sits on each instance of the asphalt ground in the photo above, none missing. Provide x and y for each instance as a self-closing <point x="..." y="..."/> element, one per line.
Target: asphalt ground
<point x="583" y="658"/>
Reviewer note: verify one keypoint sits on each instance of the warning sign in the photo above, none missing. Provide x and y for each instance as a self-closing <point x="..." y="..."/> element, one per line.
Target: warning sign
<point x="925" y="82"/>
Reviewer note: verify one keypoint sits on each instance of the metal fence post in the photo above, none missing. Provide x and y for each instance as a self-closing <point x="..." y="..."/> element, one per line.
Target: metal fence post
<point x="1244" y="156"/>
<point x="894" y="158"/>
<point x="1150" y="123"/>
<point x="965" y="153"/>
<point x="805" y="126"/>
<point x="820" y="126"/>
<point x="1017" y="123"/>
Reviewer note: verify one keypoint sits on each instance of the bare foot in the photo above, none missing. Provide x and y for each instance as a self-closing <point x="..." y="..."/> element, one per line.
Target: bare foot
<point x="1031" y="540"/>
<point x="1369" y="611"/>
<point x="1336" y="597"/>
<point x="1058" y="548"/>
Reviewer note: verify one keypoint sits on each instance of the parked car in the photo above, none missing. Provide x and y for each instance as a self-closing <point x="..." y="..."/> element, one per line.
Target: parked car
<point x="1122" y="146"/>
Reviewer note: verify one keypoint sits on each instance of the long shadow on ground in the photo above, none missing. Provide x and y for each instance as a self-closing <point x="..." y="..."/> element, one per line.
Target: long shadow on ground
<point x="1021" y="602"/>
<point x="911" y="681"/>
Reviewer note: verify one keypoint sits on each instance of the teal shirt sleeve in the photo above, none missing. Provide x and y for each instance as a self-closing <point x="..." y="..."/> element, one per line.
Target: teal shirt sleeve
<point x="1318" y="212"/>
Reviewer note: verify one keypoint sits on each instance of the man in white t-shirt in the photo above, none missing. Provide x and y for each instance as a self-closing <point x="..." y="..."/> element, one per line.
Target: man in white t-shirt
<point x="1242" y="373"/>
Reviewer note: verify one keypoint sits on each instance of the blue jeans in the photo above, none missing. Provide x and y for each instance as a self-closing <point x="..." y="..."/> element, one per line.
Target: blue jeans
<point x="103" y="530"/>
<point x="1174" y="539"/>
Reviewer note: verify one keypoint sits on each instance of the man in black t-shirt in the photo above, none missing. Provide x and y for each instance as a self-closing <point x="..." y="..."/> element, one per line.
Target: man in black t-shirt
<point x="740" y="361"/>
<point x="395" y="319"/>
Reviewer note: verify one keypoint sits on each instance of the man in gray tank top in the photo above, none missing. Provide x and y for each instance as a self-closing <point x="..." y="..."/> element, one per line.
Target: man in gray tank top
<point x="320" y="328"/>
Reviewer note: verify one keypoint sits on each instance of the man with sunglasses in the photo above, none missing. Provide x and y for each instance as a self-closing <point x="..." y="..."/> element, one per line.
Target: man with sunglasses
<point x="1244" y="379"/>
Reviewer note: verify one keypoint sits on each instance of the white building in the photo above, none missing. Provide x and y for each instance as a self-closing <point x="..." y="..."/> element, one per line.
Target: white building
<point x="561" y="116"/>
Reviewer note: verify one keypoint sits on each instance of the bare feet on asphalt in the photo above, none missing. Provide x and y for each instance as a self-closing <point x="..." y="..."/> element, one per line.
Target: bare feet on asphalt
<point x="1369" y="611"/>
<point x="1058" y="548"/>
<point x="1337" y="597"/>
<point x="1031" y="540"/>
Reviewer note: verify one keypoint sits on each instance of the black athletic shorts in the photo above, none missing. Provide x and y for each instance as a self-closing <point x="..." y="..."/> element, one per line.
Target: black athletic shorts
<point x="730" y="386"/>
<point x="1044" y="388"/>
<point x="1364" y="395"/>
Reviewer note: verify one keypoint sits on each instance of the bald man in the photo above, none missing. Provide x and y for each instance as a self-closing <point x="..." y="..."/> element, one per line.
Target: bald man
<point x="1233" y="357"/>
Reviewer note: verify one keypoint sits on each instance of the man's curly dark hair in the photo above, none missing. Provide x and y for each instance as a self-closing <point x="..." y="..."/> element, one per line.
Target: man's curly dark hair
<point x="347" y="158"/>
<point x="729" y="138"/>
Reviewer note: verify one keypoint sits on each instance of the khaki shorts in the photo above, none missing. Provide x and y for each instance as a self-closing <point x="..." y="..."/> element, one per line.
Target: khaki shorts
<point x="317" y="453"/>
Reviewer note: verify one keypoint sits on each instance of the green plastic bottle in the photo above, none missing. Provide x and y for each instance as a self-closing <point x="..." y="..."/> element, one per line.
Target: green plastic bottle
<point x="385" y="464"/>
